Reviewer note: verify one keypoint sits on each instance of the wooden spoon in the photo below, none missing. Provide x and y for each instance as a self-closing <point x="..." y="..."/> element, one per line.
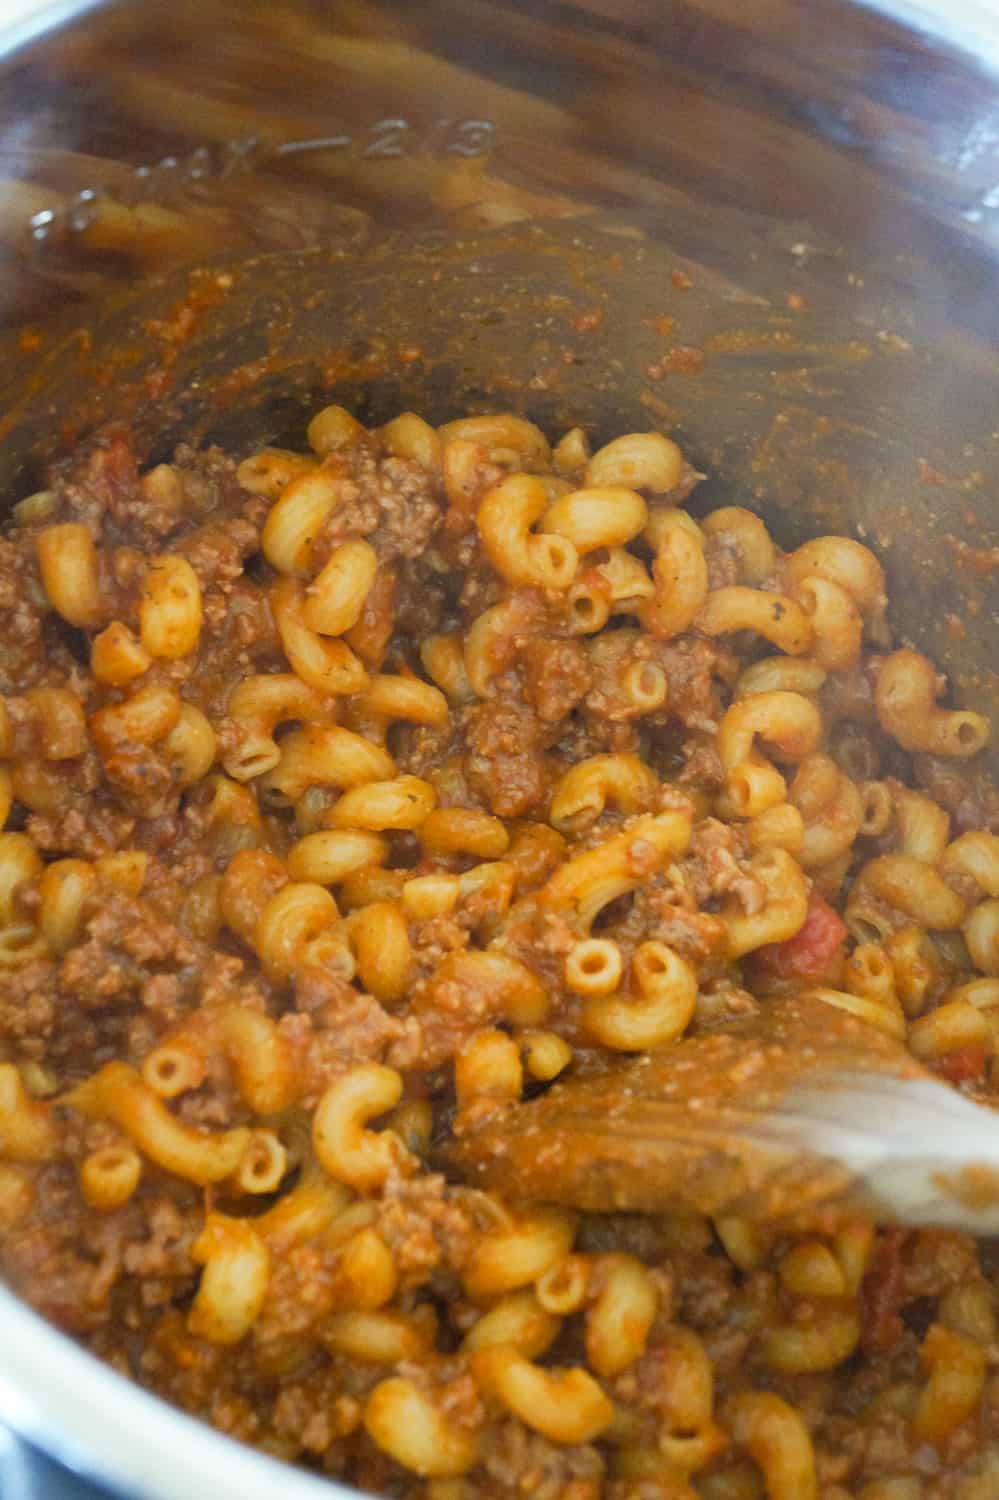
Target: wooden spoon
<point x="800" y="1108"/>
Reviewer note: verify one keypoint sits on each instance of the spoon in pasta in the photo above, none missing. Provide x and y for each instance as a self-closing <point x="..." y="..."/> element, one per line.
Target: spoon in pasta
<point x="801" y="1110"/>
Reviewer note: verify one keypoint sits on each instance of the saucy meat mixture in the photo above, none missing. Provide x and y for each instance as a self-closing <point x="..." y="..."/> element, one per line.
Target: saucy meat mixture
<point x="351" y="795"/>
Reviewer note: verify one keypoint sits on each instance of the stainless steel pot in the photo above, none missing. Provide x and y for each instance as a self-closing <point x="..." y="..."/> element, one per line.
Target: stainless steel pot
<point x="772" y="230"/>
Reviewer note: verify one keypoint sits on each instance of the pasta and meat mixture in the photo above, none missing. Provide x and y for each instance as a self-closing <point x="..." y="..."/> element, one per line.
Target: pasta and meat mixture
<point x="344" y="792"/>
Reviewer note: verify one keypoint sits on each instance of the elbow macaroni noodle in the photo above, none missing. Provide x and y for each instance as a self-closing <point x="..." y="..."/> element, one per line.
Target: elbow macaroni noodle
<point x="403" y="823"/>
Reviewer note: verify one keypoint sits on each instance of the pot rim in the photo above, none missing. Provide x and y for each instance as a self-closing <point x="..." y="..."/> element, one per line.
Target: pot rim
<point x="17" y="30"/>
<point x="972" y="25"/>
<point x="108" y="1429"/>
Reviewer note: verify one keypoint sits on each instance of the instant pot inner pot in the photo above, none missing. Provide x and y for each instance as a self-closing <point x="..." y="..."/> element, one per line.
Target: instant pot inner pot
<point x="765" y="230"/>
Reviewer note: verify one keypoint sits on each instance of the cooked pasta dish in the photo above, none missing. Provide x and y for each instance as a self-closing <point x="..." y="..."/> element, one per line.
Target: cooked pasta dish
<point x="348" y="793"/>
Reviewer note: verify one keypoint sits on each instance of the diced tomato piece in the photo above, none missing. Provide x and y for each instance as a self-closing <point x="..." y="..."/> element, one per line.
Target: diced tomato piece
<point x="809" y="955"/>
<point x="962" y="1066"/>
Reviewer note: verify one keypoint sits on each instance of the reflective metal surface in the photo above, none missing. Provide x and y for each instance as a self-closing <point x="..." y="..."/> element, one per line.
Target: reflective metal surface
<point x="27" y="1473"/>
<point x="970" y="24"/>
<point x="111" y="1437"/>
<point x="772" y="230"/>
